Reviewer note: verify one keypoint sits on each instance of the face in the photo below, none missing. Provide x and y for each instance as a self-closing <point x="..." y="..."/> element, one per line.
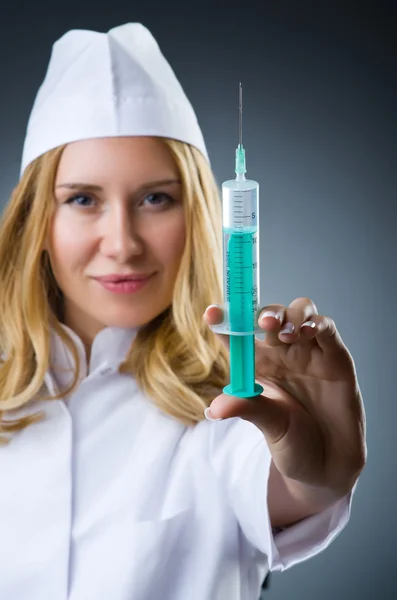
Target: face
<point x="118" y="211"/>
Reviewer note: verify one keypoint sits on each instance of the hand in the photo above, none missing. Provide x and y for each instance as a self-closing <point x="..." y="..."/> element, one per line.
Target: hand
<point x="311" y="411"/>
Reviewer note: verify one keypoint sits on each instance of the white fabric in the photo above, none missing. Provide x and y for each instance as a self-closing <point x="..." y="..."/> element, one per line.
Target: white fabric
<point x="106" y="85"/>
<point x="110" y="498"/>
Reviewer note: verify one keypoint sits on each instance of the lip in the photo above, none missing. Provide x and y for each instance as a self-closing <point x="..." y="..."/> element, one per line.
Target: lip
<point x="116" y="278"/>
<point x="130" y="286"/>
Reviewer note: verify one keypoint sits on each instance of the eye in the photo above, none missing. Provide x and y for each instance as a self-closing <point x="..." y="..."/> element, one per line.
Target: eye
<point x="160" y="196"/>
<point x="73" y="199"/>
<point x="154" y="199"/>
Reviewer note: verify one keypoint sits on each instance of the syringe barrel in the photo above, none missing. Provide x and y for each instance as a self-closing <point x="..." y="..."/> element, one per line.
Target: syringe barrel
<point x="241" y="289"/>
<point x="240" y="204"/>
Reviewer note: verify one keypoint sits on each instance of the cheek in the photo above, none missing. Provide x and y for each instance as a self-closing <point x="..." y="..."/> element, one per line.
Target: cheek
<point x="68" y="248"/>
<point x="171" y="244"/>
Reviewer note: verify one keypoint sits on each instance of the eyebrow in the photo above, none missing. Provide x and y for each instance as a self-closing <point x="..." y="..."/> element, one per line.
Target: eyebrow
<point x="98" y="188"/>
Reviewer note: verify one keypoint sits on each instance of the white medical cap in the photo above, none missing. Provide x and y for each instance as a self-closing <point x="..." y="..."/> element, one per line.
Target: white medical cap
<point x="108" y="85"/>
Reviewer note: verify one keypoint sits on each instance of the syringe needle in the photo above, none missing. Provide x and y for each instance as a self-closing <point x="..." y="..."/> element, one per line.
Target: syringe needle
<point x="241" y="116"/>
<point x="240" y="152"/>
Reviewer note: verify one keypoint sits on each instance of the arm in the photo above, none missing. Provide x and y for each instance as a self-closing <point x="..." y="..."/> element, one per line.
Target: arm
<point x="240" y="457"/>
<point x="290" y="501"/>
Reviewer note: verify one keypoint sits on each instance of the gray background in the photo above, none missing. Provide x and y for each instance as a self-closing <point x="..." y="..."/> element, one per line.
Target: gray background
<point x="319" y="83"/>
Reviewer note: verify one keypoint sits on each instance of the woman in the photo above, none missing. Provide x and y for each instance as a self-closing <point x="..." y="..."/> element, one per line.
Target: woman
<point x="113" y="482"/>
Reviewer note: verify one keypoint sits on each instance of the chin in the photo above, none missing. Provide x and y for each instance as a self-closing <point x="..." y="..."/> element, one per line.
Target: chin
<point x="128" y="321"/>
<point x="124" y="323"/>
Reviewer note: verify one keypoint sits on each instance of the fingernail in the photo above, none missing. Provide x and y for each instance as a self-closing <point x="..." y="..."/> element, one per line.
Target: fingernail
<point x="211" y="306"/>
<point x="269" y="313"/>
<point x="288" y="328"/>
<point x="309" y="324"/>
<point x="207" y="414"/>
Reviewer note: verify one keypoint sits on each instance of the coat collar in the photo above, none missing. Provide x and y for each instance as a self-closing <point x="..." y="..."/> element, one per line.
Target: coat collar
<point x="109" y="348"/>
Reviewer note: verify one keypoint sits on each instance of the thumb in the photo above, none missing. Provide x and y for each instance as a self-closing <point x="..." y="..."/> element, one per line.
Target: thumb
<point x="270" y="412"/>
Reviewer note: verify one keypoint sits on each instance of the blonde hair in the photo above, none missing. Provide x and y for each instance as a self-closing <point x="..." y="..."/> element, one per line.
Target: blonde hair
<point x="177" y="361"/>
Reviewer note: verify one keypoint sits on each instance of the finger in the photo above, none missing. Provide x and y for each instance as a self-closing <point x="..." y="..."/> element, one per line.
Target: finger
<point x="271" y="316"/>
<point x="213" y="315"/>
<point x="327" y="336"/>
<point x="309" y="330"/>
<point x="298" y="312"/>
<point x="270" y="320"/>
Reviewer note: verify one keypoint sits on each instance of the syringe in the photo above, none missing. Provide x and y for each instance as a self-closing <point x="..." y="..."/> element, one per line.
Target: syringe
<point x="240" y="207"/>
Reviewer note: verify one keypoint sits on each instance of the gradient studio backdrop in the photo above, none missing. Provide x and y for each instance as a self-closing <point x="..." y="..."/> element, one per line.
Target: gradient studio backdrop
<point x="319" y="95"/>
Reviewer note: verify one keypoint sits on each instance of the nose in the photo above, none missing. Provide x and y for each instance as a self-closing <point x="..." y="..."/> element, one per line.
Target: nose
<point x="120" y="239"/>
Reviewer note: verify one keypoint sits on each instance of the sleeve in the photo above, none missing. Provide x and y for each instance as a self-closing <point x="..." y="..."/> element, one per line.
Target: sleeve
<point x="241" y="459"/>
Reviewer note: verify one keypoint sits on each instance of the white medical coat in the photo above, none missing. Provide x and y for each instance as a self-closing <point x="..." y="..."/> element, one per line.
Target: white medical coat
<point x="109" y="498"/>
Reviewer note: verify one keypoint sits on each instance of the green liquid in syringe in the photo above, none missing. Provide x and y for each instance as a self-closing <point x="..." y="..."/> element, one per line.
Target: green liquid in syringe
<point x="240" y="272"/>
